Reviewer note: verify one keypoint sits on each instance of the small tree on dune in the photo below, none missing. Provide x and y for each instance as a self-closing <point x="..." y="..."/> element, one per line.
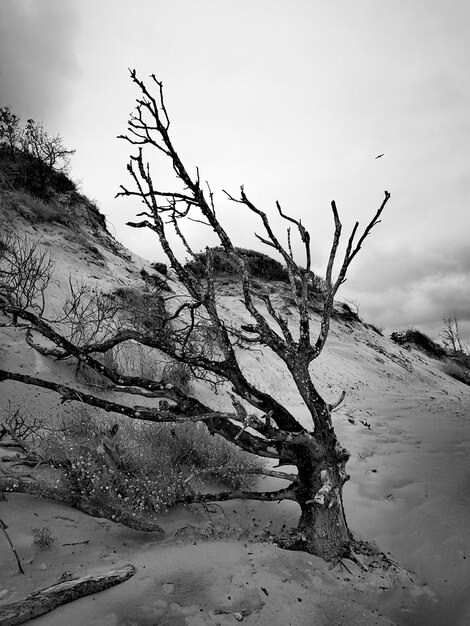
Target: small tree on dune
<point x="271" y="430"/>
<point x="10" y="131"/>
<point x="47" y="153"/>
<point x="450" y="334"/>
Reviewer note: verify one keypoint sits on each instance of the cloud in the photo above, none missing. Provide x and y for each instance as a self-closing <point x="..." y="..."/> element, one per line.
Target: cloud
<point x="405" y="285"/>
<point x="39" y="63"/>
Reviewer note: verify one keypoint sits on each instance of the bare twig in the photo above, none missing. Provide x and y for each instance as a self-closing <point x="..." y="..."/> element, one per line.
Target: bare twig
<point x="4" y="527"/>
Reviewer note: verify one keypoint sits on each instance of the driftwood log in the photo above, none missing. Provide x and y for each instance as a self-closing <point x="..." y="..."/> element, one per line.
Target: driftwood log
<point x="50" y="598"/>
<point x="10" y="484"/>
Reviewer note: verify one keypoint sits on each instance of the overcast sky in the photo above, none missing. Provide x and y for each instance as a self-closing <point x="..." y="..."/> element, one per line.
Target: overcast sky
<point x="292" y="98"/>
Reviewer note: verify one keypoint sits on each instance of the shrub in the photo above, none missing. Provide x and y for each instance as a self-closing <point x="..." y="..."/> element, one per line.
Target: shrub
<point x="43" y="211"/>
<point x="177" y="374"/>
<point x="458" y="372"/>
<point x="20" y="424"/>
<point x="160" y="267"/>
<point x="158" y="464"/>
<point x="30" y="174"/>
<point x="259" y="265"/>
<point x="345" y="312"/>
<point x="462" y="359"/>
<point x="155" y="281"/>
<point x="422" y="342"/>
<point x="144" y="308"/>
<point x="43" y="537"/>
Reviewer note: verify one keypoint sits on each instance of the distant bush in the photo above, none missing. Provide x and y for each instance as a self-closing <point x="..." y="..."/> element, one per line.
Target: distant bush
<point x="458" y="372"/>
<point x="345" y="312"/>
<point x="33" y="159"/>
<point x="422" y="342"/>
<point x="259" y="265"/>
<point x="41" y="210"/>
<point x="155" y="280"/>
<point x="160" y="267"/>
<point x="461" y="358"/>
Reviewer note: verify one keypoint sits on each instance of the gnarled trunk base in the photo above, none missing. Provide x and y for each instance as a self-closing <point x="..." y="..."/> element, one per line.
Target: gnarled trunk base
<point x="322" y="528"/>
<point x="321" y="531"/>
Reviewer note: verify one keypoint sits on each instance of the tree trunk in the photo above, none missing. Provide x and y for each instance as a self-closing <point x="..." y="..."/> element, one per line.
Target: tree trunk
<point x="321" y="462"/>
<point x="323" y="531"/>
<point x="322" y="528"/>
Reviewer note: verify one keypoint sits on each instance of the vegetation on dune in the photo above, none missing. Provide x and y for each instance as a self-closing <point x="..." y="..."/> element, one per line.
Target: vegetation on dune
<point x="456" y="357"/>
<point x="43" y="537"/>
<point x="31" y="158"/>
<point x="142" y="467"/>
<point x="414" y="337"/>
<point x="259" y="265"/>
<point x="458" y="369"/>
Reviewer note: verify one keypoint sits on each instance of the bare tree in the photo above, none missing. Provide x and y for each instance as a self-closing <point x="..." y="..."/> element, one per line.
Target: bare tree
<point x="49" y="149"/>
<point x="10" y="131"/>
<point x="271" y="430"/>
<point x="450" y="334"/>
<point x="354" y="305"/>
<point x="41" y="158"/>
<point x="46" y="152"/>
<point x="25" y="272"/>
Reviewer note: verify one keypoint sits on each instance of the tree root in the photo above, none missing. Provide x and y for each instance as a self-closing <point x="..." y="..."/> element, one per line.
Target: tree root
<point x="341" y="564"/>
<point x="355" y="559"/>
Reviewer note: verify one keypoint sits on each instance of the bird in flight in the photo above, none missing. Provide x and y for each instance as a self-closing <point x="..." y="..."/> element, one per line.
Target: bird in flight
<point x="379" y="156"/>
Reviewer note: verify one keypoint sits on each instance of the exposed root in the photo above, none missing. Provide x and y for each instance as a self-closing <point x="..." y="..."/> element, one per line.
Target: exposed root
<point x="342" y="565"/>
<point x="355" y="559"/>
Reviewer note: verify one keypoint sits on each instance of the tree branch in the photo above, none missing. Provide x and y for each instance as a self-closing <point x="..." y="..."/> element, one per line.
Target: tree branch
<point x="186" y="410"/>
<point x="288" y="493"/>
<point x="258" y="471"/>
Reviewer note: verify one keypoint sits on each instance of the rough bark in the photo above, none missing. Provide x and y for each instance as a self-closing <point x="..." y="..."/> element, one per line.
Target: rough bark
<point x="50" y="598"/>
<point x="322" y="528"/>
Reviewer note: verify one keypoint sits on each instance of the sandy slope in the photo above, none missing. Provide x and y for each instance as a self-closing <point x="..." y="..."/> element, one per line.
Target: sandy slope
<point x="188" y="580"/>
<point x="409" y="492"/>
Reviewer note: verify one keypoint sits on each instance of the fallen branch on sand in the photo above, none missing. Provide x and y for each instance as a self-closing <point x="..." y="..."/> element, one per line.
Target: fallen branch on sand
<point x="4" y="527"/>
<point x="50" y="598"/>
<point x="108" y="511"/>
